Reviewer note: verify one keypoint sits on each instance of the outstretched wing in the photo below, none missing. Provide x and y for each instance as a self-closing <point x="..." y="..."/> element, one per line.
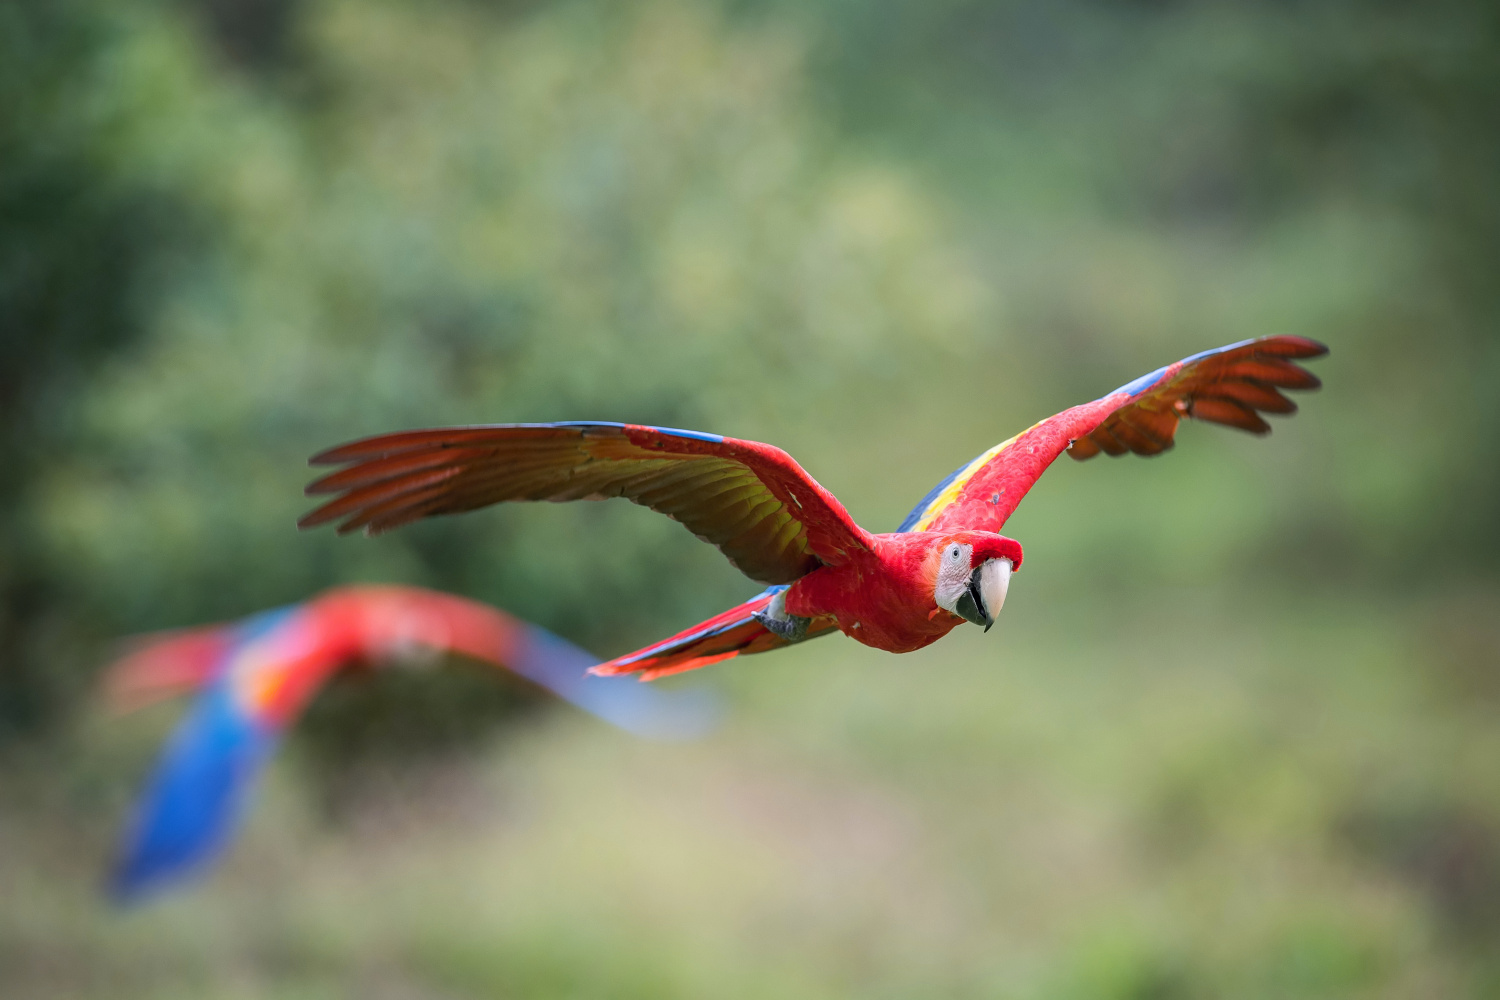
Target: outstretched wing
<point x="272" y="665"/>
<point x="753" y="501"/>
<point x="735" y="632"/>
<point x="1229" y="385"/>
<point x="163" y="665"/>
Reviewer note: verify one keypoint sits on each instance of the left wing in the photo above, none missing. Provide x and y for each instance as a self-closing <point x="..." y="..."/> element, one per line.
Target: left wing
<point x="1229" y="385"/>
<point x="164" y="665"/>
<point x="772" y="520"/>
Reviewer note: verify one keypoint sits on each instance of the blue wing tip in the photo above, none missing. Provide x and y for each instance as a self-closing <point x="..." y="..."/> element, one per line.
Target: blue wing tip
<point x="1140" y="385"/>
<point x="151" y="864"/>
<point x="145" y="867"/>
<point x="699" y="435"/>
<point x="190" y="809"/>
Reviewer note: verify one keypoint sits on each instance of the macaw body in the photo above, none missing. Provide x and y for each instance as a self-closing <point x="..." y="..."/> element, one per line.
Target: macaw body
<point x="257" y="675"/>
<point x="946" y="563"/>
<point x="885" y="597"/>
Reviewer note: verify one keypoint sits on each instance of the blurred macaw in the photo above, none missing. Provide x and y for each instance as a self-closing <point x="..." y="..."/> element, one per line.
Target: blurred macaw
<point x="945" y="564"/>
<point x="256" y="676"/>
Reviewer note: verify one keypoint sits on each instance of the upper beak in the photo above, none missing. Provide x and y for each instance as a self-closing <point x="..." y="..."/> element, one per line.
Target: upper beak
<point x="985" y="595"/>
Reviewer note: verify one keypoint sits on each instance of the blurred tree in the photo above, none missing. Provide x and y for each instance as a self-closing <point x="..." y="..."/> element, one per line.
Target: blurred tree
<point x="255" y="35"/>
<point x="83" y="255"/>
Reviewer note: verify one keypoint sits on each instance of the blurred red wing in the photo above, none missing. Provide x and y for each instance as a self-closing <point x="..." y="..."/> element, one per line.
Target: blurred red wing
<point x="165" y="664"/>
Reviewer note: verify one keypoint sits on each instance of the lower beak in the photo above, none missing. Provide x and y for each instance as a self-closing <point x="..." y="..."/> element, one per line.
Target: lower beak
<point x="985" y="595"/>
<point x="971" y="605"/>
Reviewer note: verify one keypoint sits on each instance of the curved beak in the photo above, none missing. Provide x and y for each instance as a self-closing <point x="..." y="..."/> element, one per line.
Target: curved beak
<point x="985" y="595"/>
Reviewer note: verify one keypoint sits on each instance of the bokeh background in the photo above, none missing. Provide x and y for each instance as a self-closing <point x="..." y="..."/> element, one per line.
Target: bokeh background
<point x="1236" y="733"/>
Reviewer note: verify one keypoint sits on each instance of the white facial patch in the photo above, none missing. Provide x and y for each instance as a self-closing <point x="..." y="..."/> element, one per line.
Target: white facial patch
<point x="953" y="575"/>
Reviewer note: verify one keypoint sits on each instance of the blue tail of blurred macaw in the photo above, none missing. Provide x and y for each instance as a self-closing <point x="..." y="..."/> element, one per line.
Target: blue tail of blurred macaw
<point x="256" y="675"/>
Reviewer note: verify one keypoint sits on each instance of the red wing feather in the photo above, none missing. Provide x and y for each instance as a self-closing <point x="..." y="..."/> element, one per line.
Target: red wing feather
<point x="1230" y="385"/>
<point x="751" y="500"/>
<point x="165" y="664"/>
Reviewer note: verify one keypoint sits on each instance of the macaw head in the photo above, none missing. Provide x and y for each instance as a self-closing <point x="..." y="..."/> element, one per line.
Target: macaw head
<point x="973" y="575"/>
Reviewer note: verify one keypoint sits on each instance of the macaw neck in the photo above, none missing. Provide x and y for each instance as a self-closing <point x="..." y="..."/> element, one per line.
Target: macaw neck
<point x="883" y="598"/>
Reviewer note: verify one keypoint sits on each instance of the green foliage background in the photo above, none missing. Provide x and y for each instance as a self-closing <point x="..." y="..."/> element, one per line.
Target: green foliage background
<point x="1235" y="735"/>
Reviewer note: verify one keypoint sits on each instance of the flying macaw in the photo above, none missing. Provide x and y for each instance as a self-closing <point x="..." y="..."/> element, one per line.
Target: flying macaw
<point x="945" y="564"/>
<point x="258" y="674"/>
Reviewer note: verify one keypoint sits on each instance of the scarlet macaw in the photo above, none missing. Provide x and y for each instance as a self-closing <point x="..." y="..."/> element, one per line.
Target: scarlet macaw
<point x="945" y="564"/>
<point x="258" y="674"/>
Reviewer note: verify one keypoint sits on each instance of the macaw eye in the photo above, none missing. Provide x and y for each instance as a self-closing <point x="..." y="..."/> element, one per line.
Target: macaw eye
<point x="953" y="552"/>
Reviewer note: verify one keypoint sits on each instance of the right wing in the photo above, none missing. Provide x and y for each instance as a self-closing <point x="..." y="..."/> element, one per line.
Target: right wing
<point x="1229" y="385"/>
<point x="763" y="511"/>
